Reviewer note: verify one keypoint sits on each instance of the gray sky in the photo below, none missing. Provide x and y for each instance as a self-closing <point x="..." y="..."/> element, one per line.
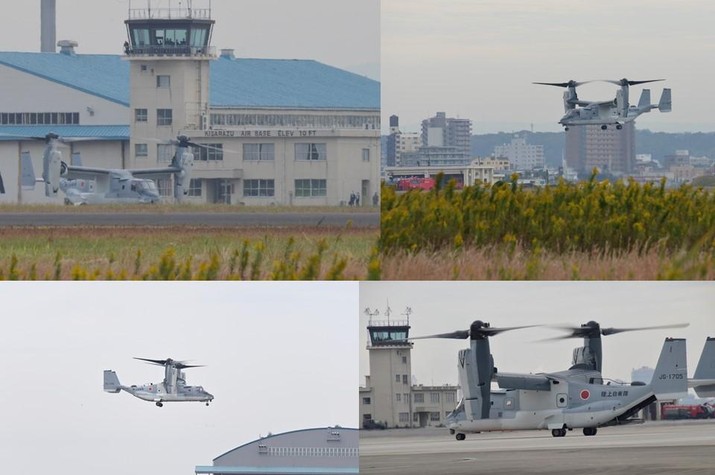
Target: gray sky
<point x="440" y="307"/>
<point x="477" y="59"/>
<point x="345" y="34"/>
<point x="270" y="366"/>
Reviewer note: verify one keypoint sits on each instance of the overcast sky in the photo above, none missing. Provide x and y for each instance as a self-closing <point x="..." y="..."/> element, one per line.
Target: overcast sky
<point x="478" y="59"/>
<point x="343" y="33"/>
<point x="279" y="356"/>
<point x="440" y="307"/>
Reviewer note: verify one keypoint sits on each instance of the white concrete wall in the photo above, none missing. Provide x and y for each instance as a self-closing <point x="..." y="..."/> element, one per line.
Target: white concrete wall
<point x="23" y="92"/>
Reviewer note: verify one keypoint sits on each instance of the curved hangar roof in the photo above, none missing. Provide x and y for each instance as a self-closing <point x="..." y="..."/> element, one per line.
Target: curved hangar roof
<point x="320" y="451"/>
<point x="239" y="83"/>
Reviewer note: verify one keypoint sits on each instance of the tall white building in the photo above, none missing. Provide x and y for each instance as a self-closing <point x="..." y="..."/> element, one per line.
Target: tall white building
<point x="389" y="398"/>
<point x="521" y="155"/>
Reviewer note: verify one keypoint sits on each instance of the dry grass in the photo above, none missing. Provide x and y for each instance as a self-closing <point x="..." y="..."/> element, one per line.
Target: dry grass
<point x="493" y="264"/>
<point x="184" y="253"/>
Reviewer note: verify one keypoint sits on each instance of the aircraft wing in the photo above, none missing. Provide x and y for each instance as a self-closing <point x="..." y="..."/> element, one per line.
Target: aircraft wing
<point x="74" y="171"/>
<point x="533" y="382"/>
<point x="154" y="171"/>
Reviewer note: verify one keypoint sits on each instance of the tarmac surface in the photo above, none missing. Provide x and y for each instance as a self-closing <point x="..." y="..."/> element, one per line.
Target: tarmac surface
<point x="207" y="219"/>
<point x="664" y="447"/>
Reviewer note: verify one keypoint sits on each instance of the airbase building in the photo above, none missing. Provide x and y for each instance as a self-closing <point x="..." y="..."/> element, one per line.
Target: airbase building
<point x="320" y="451"/>
<point x="284" y="132"/>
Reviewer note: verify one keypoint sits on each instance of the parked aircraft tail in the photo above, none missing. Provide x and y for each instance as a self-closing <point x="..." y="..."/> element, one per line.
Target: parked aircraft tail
<point x="184" y="161"/>
<point x="665" y="102"/>
<point x="704" y="377"/>
<point x="51" y="167"/>
<point x="111" y="381"/>
<point x="670" y="379"/>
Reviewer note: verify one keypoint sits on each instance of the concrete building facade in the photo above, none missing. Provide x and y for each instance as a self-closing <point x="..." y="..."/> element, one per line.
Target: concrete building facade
<point x="611" y="150"/>
<point x="443" y="131"/>
<point x="521" y="155"/>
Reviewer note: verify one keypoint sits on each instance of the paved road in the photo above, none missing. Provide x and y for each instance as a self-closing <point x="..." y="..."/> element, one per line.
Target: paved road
<point x="651" y="448"/>
<point x="215" y="219"/>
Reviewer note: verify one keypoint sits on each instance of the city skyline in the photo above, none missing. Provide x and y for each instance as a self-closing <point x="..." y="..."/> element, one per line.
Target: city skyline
<point x="478" y="60"/>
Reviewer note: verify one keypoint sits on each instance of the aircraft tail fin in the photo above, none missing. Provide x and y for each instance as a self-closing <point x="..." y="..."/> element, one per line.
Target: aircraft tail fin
<point x="706" y="370"/>
<point x="644" y="101"/>
<point x="184" y="161"/>
<point x="111" y="381"/>
<point x="670" y="379"/>
<point x="665" y="102"/>
<point x="2" y="186"/>
<point x="27" y="171"/>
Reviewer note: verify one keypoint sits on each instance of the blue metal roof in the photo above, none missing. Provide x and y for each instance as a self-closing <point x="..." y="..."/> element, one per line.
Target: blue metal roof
<point x="274" y="470"/>
<point x="260" y="83"/>
<point x="289" y="83"/>
<point x="98" y="132"/>
<point x="103" y="75"/>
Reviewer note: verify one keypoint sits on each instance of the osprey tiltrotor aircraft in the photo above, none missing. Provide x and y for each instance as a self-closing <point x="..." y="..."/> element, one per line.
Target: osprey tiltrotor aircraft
<point x="575" y="398"/>
<point x="612" y="112"/>
<point x="92" y="185"/>
<point x="173" y="388"/>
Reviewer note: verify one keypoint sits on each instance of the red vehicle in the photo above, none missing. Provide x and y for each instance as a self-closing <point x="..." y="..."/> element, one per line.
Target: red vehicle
<point x="415" y="183"/>
<point x="695" y="411"/>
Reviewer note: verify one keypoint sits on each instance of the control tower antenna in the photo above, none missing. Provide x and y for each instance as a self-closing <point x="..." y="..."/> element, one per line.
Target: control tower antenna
<point x="407" y="312"/>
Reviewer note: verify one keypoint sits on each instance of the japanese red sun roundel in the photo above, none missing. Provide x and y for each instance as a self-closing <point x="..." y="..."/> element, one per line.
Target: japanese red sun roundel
<point x="585" y="394"/>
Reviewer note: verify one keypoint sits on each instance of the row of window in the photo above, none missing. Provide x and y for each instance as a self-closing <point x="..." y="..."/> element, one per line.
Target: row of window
<point x="327" y="121"/>
<point x="418" y="398"/>
<point x="39" y="118"/>
<point x="266" y="188"/>
<point x="163" y="116"/>
<point x="404" y="417"/>
<point x="251" y="152"/>
<point x="309" y="451"/>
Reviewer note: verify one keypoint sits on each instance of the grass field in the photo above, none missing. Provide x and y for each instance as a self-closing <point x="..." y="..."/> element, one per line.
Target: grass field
<point x="184" y="253"/>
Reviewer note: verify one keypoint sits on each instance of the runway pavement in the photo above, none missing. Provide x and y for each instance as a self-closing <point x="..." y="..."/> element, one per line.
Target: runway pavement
<point x="682" y="447"/>
<point x="204" y="219"/>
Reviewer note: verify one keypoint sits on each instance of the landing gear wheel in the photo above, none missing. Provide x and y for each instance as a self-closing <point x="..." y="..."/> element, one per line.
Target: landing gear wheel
<point x="619" y="126"/>
<point x="589" y="431"/>
<point x="604" y="127"/>
<point x="558" y="432"/>
<point x="159" y="404"/>
<point x="207" y="403"/>
<point x="461" y="436"/>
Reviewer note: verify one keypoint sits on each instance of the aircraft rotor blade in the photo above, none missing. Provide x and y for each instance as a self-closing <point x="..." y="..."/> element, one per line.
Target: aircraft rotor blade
<point x="593" y="330"/>
<point x="189" y="366"/>
<point x="477" y="329"/>
<point x="455" y="335"/>
<point x="571" y="83"/>
<point x="495" y="331"/>
<point x="624" y="81"/>
<point x="613" y="331"/>
<point x="148" y="360"/>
